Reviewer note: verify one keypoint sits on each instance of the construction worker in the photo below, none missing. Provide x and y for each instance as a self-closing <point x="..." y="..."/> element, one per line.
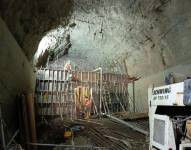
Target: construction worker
<point x="169" y="79"/>
<point x="68" y="71"/>
<point x="87" y="107"/>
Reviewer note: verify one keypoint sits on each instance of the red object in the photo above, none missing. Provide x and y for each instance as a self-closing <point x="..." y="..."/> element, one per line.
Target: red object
<point x="87" y="103"/>
<point x="68" y="67"/>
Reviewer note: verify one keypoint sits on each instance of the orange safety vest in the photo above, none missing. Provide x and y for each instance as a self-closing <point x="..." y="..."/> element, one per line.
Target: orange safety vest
<point x="88" y="103"/>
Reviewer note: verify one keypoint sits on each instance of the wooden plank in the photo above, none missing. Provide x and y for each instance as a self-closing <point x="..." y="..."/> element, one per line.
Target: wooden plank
<point x="128" y="124"/>
<point x="31" y="118"/>
<point x="131" y="116"/>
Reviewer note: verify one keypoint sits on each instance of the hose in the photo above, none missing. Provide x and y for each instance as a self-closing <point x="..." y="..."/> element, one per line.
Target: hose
<point x="183" y="120"/>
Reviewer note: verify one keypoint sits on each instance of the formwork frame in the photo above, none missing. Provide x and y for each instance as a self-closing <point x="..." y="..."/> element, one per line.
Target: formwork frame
<point x="56" y="96"/>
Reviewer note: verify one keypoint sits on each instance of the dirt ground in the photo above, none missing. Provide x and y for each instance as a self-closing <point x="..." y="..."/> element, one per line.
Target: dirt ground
<point x="94" y="134"/>
<point x="137" y="141"/>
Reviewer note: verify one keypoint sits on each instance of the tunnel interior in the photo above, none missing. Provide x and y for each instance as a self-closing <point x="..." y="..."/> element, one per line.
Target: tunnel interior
<point x="142" y="40"/>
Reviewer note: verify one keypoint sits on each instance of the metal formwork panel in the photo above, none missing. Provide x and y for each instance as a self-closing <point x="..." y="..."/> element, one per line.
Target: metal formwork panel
<point x="55" y="96"/>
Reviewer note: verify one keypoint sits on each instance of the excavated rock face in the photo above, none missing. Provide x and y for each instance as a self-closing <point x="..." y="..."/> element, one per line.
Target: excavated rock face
<point x="28" y="20"/>
<point x="135" y="36"/>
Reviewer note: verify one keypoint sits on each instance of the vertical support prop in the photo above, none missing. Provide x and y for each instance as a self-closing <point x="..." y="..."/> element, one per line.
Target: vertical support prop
<point x="25" y="121"/>
<point x="31" y="118"/>
<point x="134" y="96"/>
<point x="2" y="130"/>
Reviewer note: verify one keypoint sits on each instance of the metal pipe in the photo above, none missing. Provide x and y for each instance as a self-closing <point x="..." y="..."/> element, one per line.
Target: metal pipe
<point x="62" y="145"/>
<point x="2" y="130"/>
<point x="134" y="96"/>
<point x="127" y="124"/>
<point x="101" y="84"/>
<point x="13" y="137"/>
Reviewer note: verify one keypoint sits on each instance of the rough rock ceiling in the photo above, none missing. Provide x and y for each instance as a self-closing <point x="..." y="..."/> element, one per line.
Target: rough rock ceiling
<point x="28" y="20"/>
<point x="144" y="36"/>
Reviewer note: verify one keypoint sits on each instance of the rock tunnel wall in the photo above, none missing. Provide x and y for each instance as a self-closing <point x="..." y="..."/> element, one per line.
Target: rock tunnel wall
<point x="138" y="37"/>
<point x="180" y="72"/>
<point x="16" y="75"/>
<point x="29" y="20"/>
<point x="149" y="38"/>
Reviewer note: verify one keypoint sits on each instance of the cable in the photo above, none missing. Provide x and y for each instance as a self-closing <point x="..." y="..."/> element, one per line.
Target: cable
<point x="183" y="120"/>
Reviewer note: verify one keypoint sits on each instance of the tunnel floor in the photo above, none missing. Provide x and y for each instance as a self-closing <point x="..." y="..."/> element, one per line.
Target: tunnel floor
<point x="92" y="134"/>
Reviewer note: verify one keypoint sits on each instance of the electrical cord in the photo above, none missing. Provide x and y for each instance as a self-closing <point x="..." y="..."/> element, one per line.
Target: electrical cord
<point x="182" y="120"/>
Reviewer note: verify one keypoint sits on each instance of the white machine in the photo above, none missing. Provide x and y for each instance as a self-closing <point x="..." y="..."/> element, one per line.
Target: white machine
<point x="169" y="116"/>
